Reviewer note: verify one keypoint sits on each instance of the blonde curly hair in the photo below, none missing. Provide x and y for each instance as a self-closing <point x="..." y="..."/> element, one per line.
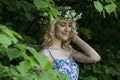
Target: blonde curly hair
<point x="50" y="32"/>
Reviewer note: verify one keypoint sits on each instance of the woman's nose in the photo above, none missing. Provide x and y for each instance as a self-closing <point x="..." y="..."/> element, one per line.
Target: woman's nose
<point x="67" y="28"/>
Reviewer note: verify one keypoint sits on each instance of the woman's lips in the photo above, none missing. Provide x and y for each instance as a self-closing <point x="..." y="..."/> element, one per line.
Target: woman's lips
<point x="65" y="34"/>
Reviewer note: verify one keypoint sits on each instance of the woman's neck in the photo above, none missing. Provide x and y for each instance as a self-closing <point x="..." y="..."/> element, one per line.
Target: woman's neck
<point x="56" y="44"/>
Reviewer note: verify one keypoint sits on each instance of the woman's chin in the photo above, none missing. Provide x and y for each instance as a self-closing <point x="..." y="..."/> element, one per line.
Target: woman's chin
<point x="65" y="39"/>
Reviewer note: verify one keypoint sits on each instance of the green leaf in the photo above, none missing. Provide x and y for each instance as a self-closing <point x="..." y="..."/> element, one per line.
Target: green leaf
<point x="10" y="33"/>
<point x="4" y="70"/>
<point x="24" y="67"/>
<point x="6" y="30"/>
<point x="32" y="61"/>
<point x="110" y="8"/>
<point x="3" y="50"/>
<point x="48" y="65"/>
<point x="14" y="53"/>
<point x="5" y="40"/>
<point x="29" y="16"/>
<point x="21" y="46"/>
<point x="17" y="35"/>
<point x="86" y="32"/>
<point x="49" y="75"/>
<point x="48" y="1"/>
<point x="51" y="18"/>
<point x="98" y="6"/>
<point x="41" y="58"/>
<point x="26" y="57"/>
<point x="40" y="4"/>
<point x="44" y="76"/>
<point x="103" y="13"/>
<point x="52" y="2"/>
<point x="112" y="1"/>
<point x="53" y="12"/>
<point x="12" y="70"/>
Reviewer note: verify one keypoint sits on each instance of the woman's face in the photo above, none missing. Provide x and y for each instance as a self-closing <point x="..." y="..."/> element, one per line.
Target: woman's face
<point x="63" y="29"/>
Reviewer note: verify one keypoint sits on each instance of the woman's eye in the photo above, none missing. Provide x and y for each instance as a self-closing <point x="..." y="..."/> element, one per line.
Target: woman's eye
<point x="69" y="26"/>
<point x="62" y="24"/>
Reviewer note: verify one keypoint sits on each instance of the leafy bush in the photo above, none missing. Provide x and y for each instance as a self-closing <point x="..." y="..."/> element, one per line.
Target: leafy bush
<point x="30" y="64"/>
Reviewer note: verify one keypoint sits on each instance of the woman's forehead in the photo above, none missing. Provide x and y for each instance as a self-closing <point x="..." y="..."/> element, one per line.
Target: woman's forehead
<point x="65" y="21"/>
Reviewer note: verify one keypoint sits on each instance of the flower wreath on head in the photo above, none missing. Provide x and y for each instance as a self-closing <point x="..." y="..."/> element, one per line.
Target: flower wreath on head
<point x="68" y="13"/>
<point x="65" y="12"/>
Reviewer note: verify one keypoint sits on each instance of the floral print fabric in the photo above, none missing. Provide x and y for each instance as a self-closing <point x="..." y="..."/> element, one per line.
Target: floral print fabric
<point x="67" y="66"/>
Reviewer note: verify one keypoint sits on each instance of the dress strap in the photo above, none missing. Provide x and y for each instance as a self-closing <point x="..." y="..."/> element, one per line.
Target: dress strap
<point x="57" y="65"/>
<point x="70" y="52"/>
<point x="51" y="54"/>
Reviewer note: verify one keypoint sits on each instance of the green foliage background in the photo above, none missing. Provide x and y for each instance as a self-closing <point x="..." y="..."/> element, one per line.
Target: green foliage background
<point x="22" y="27"/>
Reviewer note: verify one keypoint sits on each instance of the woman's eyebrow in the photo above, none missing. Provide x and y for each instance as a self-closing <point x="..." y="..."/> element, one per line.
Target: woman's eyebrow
<point x="63" y="22"/>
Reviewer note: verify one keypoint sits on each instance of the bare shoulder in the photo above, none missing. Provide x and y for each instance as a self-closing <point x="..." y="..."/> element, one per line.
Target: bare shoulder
<point x="46" y="53"/>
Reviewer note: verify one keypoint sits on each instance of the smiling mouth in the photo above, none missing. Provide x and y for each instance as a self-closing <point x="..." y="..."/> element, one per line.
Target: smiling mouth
<point x="65" y="34"/>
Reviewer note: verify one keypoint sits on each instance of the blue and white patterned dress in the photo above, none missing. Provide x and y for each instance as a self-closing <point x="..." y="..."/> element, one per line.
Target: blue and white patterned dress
<point x="67" y="66"/>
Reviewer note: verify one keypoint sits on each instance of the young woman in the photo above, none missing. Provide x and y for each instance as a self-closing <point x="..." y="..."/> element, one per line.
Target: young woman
<point x="56" y="47"/>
